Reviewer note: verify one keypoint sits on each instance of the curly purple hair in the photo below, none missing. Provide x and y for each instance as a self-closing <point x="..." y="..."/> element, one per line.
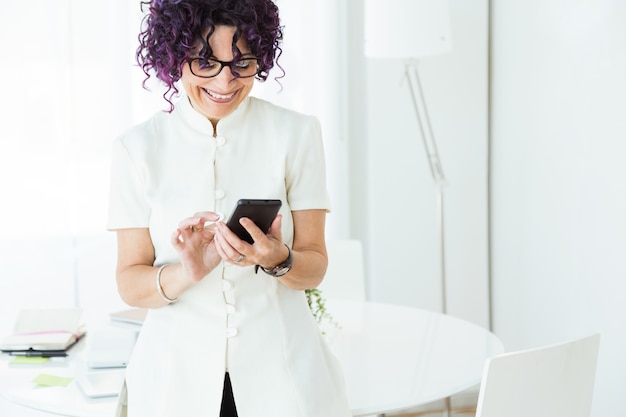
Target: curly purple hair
<point x="172" y="28"/>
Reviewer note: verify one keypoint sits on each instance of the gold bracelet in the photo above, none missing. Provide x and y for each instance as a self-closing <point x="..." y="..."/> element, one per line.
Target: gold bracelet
<point x="160" y="289"/>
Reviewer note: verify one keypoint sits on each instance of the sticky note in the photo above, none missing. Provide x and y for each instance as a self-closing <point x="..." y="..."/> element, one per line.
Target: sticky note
<point x="52" y="380"/>
<point x="26" y="360"/>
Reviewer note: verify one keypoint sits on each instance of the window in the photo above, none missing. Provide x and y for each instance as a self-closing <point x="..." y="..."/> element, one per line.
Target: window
<point x="70" y="87"/>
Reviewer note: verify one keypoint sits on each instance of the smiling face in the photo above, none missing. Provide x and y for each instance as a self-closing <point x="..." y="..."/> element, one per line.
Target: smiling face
<point x="219" y="96"/>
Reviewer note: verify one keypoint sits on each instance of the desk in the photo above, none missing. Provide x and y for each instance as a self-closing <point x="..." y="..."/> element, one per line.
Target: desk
<point x="394" y="358"/>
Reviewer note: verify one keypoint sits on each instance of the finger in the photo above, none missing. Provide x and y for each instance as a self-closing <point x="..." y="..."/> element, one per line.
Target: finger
<point x="177" y="240"/>
<point x="202" y="228"/>
<point x="256" y="233"/>
<point x="276" y="228"/>
<point x="209" y="227"/>
<point x="190" y="222"/>
<point x="197" y="224"/>
<point x="209" y="216"/>
<point x="229" y="237"/>
<point x="227" y="251"/>
<point x="219" y="246"/>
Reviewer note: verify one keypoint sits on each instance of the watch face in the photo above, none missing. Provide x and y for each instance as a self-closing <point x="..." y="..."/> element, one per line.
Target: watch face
<point x="279" y="272"/>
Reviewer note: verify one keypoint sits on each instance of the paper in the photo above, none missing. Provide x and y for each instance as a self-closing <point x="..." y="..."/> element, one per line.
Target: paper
<point x="25" y="360"/>
<point x="52" y="380"/>
<point x="47" y="320"/>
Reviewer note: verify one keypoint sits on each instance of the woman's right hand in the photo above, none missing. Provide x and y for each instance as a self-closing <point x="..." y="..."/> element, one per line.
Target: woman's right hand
<point x="194" y="242"/>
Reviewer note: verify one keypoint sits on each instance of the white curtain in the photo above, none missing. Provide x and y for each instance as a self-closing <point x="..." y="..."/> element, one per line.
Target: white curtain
<point x="70" y="87"/>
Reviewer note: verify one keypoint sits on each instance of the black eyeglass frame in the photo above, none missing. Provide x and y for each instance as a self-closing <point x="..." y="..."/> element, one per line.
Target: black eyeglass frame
<point x="229" y="64"/>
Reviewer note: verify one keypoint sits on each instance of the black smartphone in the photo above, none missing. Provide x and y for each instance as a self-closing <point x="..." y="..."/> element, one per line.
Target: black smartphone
<point x="261" y="212"/>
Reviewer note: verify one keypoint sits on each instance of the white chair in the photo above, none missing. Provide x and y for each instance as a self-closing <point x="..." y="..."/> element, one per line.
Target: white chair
<point x="551" y="381"/>
<point x="344" y="277"/>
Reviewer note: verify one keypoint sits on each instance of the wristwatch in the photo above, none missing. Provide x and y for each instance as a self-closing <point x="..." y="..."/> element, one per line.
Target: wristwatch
<point x="280" y="269"/>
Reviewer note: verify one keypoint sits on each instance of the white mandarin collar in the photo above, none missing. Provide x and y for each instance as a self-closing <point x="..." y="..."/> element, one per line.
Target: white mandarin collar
<point x="199" y="122"/>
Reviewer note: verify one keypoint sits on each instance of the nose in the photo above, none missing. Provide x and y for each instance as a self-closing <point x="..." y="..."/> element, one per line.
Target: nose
<point x="225" y="76"/>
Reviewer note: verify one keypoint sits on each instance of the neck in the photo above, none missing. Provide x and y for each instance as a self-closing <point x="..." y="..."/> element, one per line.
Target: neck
<point x="214" y="123"/>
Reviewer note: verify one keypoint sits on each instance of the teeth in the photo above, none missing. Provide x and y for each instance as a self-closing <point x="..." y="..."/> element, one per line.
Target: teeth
<point x="219" y="96"/>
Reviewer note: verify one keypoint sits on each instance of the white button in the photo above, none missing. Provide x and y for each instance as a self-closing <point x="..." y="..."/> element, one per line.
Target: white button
<point x="220" y="140"/>
<point x="230" y="308"/>
<point x="219" y="194"/>
<point x="231" y="332"/>
<point x="226" y="285"/>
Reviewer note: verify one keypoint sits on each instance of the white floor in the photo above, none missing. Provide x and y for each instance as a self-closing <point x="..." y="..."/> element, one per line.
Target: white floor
<point x="462" y="404"/>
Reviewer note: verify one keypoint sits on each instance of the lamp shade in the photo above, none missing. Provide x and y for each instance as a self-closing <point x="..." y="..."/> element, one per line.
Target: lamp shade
<point x="406" y="28"/>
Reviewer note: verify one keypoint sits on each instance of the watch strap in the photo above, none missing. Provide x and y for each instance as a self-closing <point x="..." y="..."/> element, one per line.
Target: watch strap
<point x="280" y="269"/>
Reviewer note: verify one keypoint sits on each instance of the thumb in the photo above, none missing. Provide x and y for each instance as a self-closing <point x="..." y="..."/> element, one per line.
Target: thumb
<point x="275" y="228"/>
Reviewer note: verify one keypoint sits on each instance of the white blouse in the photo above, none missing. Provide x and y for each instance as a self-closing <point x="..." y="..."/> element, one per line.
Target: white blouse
<point x="262" y="332"/>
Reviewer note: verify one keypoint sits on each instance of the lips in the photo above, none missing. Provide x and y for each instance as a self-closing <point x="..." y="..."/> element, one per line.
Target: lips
<point x="220" y="97"/>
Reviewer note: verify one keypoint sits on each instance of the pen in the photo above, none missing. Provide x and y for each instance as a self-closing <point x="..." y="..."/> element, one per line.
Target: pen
<point x="39" y="354"/>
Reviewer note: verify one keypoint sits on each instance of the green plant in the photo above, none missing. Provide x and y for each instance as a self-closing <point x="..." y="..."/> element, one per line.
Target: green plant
<point x="317" y="305"/>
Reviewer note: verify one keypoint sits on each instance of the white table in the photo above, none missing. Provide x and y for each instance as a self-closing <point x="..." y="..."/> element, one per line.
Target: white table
<point x="16" y="381"/>
<point x="397" y="357"/>
<point x="394" y="358"/>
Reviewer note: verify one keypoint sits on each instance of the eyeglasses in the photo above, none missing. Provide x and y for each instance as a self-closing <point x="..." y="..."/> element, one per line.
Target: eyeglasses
<point x="209" y="68"/>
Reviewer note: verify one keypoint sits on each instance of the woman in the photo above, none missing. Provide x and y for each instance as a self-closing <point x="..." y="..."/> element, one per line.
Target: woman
<point x="228" y="331"/>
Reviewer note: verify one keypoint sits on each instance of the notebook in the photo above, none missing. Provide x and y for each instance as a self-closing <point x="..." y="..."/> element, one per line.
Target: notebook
<point x="132" y="316"/>
<point x="44" y="330"/>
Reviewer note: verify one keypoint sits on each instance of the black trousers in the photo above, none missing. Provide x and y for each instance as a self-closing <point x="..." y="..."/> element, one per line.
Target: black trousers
<point x="228" y="401"/>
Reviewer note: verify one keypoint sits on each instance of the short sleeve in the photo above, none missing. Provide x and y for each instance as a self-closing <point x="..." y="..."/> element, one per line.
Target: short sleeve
<point x="306" y="169"/>
<point x="128" y="207"/>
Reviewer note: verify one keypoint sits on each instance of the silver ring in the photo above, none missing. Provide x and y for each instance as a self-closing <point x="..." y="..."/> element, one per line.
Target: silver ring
<point x="240" y="258"/>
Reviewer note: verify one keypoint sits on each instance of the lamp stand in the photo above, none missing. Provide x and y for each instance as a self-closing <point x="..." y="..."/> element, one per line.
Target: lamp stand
<point x="436" y="170"/>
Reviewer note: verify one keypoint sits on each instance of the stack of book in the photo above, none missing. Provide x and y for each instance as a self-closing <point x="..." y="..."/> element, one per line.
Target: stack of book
<point x="44" y="332"/>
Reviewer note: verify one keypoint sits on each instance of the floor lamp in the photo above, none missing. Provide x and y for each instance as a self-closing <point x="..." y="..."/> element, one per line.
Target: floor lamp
<point x="412" y="30"/>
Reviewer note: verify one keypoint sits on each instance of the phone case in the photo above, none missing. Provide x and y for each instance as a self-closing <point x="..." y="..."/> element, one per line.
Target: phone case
<point x="261" y="212"/>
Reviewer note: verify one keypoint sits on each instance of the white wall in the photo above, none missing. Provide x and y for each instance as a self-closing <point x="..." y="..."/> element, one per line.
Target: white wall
<point x="399" y="227"/>
<point x="558" y="174"/>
